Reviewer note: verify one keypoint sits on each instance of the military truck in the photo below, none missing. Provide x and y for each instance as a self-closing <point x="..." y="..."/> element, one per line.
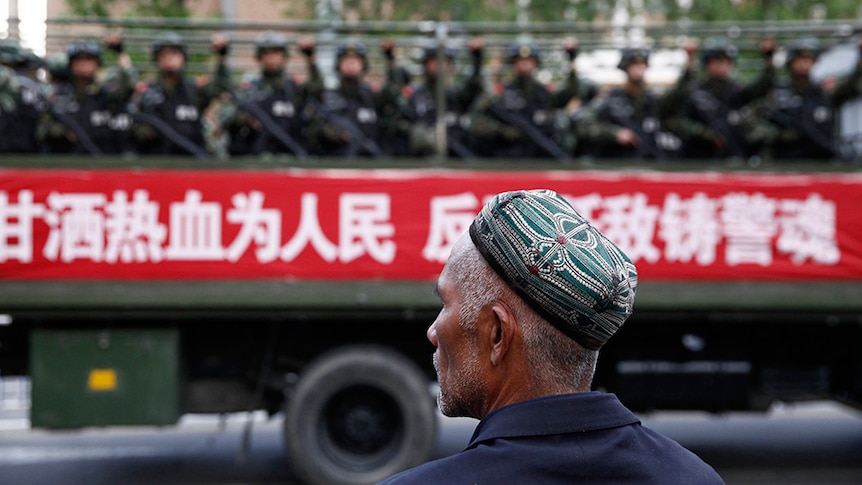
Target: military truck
<point x="133" y="292"/>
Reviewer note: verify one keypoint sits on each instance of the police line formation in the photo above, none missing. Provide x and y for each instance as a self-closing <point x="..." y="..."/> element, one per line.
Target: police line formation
<point x="87" y="108"/>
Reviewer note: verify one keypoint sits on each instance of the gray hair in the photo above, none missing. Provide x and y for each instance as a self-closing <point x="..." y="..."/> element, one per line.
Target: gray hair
<point x="555" y="361"/>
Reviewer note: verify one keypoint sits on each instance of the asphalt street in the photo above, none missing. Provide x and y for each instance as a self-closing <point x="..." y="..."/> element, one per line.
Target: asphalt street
<point x="812" y="444"/>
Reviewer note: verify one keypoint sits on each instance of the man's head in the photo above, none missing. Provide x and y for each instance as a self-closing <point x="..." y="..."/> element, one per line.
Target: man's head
<point x="430" y="60"/>
<point x="169" y="52"/>
<point x="351" y="60"/>
<point x="84" y="59"/>
<point x="634" y="63"/>
<point x="529" y="295"/>
<point x="717" y="57"/>
<point x="524" y="58"/>
<point x="801" y="56"/>
<point x="271" y="51"/>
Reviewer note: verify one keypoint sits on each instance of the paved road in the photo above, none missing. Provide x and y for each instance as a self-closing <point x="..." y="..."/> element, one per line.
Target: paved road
<point x="811" y="444"/>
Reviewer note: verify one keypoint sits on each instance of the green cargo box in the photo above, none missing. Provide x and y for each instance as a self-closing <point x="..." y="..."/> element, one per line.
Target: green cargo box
<point x="104" y="378"/>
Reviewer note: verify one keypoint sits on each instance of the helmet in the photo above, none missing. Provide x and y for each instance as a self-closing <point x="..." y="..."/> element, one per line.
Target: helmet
<point x="804" y="47"/>
<point x="168" y="39"/>
<point x="630" y="56"/>
<point x="10" y="52"/>
<point x="58" y="66"/>
<point x="522" y="51"/>
<point x="270" y="41"/>
<point x="83" y="48"/>
<point x="716" y="48"/>
<point x="430" y="52"/>
<point x="354" y="48"/>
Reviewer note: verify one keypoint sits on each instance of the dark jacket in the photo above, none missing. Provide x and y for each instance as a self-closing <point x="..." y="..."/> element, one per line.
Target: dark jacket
<point x="575" y="438"/>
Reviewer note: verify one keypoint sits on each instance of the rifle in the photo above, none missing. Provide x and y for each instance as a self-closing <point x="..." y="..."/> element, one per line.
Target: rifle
<point x="719" y="125"/>
<point x="357" y="137"/>
<point x="83" y="138"/>
<point x="647" y="145"/>
<point x="271" y="126"/>
<point x="803" y="125"/>
<point x="548" y="145"/>
<point x="168" y="132"/>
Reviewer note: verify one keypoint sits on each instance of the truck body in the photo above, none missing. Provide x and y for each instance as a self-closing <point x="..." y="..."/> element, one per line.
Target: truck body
<point x="135" y="291"/>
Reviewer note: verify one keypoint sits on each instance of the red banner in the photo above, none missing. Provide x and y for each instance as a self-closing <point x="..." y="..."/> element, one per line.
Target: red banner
<point x="400" y="224"/>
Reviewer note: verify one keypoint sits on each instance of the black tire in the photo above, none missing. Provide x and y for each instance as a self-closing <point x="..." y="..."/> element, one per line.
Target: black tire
<point x="358" y="415"/>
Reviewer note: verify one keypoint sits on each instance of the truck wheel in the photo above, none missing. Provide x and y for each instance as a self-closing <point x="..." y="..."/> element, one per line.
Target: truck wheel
<point x="358" y="415"/>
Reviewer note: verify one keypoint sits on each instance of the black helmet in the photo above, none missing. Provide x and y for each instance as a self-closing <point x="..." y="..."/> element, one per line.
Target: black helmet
<point x="10" y="52"/>
<point x="58" y="66"/>
<point x="523" y="51"/>
<point x="630" y="56"/>
<point x="168" y="39"/>
<point x="354" y="48"/>
<point x="805" y="47"/>
<point x="717" y="48"/>
<point x="83" y="48"/>
<point x="430" y="52"/>
<point x="270" y="41"/>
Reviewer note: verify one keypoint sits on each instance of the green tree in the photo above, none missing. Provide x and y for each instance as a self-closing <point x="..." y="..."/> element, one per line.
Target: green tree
<point x="143" y="8"/>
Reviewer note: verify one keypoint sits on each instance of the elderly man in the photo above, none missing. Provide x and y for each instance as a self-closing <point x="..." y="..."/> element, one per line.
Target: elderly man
<point x="529" y="297"/>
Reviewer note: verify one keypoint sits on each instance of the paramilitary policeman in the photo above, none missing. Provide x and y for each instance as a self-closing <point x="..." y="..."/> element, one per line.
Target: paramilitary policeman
<point x="86" y="116"/>
<point x="707" y="115"/>
<point x="422" y="102"/>
<point x="520" y="121"/>
<point x="21" y="137"/>
<point x="626" y="123"/>
<point x="348" y="120"/>
<point x="176" y="100"/>
<point x="10" y="100"/>
<point x="799" y="112"/>
<point x="266" y="117"/>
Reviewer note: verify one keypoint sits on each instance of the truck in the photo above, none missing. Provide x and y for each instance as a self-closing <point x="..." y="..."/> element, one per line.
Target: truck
<point x="135" y="291"/>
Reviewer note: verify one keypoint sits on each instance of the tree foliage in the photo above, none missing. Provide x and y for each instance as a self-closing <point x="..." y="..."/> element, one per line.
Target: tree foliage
<point x="143" y="8"/>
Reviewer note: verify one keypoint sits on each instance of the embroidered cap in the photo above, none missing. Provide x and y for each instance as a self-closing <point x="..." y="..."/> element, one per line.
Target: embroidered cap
<point x="563" y="267"/>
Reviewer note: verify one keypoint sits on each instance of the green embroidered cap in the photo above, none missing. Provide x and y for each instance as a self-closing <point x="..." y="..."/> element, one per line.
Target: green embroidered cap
<point x="563" y="267"/>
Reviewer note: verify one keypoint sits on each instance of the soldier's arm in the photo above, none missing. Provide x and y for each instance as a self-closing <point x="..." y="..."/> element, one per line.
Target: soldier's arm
<point x="590" y="128"/>
<point x="221" y="79"/>
<point x="760" y="87"/>
<point x="573" y="87"/>
<point x="121" y="81"/>
<point x="484" y="124"/>
<point x="474" y="86"/>
<point x="312" y="88"/>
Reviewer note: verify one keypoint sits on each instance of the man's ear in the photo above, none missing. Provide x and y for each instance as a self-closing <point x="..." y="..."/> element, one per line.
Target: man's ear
<point x="503" y="330"/>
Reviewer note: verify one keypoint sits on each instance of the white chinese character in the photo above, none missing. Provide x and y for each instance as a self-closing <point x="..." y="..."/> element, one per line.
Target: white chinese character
<point x="748" y="222"/>
<point x="259" y="225"/>
<point x="451" y="216"/>
<point x="690" y="228"/>
<point x="808" y="230"/>
<point x="16" y="226"/>
<point x="630" y="223"/>
<point x="364" y="226"/>
<point x="133" y="230"/>
<point x="309" y="232"/>
<point x="586" y="205"/>
<point x="77" y="227"/>
<point x="195" y="229"/>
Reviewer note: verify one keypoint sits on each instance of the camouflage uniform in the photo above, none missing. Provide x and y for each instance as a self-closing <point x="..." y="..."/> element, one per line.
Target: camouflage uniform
<point x="86" y="116"/>
<point x="352" y="120"/>
<point x="501" y="124"/>
<point x="10" y="100"/>
<point x="178" y="102"/>
<point x="21" y="137"/>
<point x="422" y="105"/>
<point x="708" y="115"/>
<point x="274" y="94"/>
<point x="632" y="107"/>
